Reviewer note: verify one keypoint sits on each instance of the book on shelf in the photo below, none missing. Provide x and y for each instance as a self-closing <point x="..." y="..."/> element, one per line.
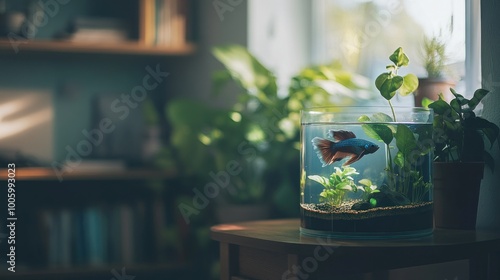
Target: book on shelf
<point x="163" y="22"/>
<point x="97" y="235"/>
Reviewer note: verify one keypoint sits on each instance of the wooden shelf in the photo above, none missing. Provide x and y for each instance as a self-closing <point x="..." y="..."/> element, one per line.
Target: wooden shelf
<point x="124" y="48"/>
<point x="48" y="174"/>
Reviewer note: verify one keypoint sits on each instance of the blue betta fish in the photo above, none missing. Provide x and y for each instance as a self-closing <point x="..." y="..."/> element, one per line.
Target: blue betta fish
<point x="345" y="144"/>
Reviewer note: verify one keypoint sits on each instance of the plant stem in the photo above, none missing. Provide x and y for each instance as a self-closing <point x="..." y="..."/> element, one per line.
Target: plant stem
<point x="392" y="109"/>
<point x="390" y="172"/>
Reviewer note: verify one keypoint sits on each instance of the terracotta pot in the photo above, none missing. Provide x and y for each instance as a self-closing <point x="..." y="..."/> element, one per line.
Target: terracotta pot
<point x="431" y="87"/>
<point x="456" y="194"/>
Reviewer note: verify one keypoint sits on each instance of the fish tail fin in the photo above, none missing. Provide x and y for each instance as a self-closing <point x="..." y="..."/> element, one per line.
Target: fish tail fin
<point x="324" y="149"/>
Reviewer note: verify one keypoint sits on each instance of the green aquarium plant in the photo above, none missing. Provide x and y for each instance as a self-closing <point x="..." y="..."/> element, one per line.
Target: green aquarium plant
<point x="402" y="171"/>
<point x="340" y="183"/>
<point x="460" y="134"/>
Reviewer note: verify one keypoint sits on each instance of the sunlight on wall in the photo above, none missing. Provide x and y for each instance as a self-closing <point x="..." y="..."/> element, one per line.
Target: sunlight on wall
<point x="26" y="123"/>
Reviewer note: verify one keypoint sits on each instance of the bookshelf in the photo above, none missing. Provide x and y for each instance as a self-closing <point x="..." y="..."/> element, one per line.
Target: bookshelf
<point x="48" y="174"/>
<point x="94" y="222"/>
<point x="128" y="48"/>
<point x="125" y="218"/>
<point x="158" y="27"/>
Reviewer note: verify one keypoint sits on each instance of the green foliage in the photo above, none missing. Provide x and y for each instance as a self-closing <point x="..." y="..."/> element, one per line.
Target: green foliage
<point x="260" y="131"/>
<point x="340" y="183"/>
<point x="368" y="188"/>
<point x="389" y="83"/>
<point x="402" y="174"/>
<point x="460" y="135"/>
<point x="434" y="56"/>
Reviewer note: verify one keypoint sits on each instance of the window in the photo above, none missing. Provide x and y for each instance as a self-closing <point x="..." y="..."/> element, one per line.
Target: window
<point x="362" y="33"/>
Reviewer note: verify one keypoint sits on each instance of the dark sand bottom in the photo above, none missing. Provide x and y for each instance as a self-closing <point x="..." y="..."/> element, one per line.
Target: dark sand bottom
<point x="395" y="220"/>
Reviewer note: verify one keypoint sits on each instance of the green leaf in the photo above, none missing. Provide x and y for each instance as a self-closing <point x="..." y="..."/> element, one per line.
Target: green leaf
<point x="440" y="106"/>
<point x="363" y="118"/>
<point x="345" y="186"/>
<point x="405" y="140"/>
<point x="379" y="132"/>
<point x="320" y="179"/>
<point x="479" y="94"/>
<point x="459" y="98"/>
<point x="381" y="117"/>
<point x="399" y="58"/>
<point x="373" y="202"/>
<point x="489" y="129"/>
<point x="410" y="84"/>
<point x="246" y="70"/>
<point x="381" y="80"/>
<point x="390" y="86"/>
<point x="426" y="102"/>
<point x="365" y="182"/>
<point x="399" y="160"/>
<point x="455" y="105"/>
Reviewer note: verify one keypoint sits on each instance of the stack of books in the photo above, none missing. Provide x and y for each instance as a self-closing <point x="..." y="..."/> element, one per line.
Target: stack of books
<point x="105" y="30"/>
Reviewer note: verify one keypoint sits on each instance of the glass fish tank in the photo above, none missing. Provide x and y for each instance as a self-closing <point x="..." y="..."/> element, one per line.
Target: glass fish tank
<point x="366" y="172"/>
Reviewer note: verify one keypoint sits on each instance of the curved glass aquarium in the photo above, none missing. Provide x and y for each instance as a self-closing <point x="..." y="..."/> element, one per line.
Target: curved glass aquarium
<point x="366" y="172"/>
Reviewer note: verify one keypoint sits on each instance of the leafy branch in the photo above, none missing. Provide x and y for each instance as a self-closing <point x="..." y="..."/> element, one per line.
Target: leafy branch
<point x="390" y="83"/>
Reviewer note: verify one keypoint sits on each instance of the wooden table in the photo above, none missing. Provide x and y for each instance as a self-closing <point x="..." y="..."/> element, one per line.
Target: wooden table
<point x="275" y="249"/>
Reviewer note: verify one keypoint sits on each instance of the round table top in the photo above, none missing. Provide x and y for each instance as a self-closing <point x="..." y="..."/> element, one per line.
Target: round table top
<point x="285" y="236"/>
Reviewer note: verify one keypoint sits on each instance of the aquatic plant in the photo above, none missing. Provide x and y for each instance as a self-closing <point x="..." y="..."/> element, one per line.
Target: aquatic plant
<point x="337" y="185"/>
<point x="368" y="188"/>
<point x="340" y="183"/>
<point x="402" y="173"/>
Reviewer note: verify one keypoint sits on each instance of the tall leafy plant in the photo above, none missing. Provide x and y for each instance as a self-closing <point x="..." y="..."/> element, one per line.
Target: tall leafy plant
<point x="401" y="169"/>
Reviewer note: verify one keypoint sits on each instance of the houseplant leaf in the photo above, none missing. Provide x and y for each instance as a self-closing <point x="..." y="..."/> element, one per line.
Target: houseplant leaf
<point x="246" y="70"/>
<point x="399" y="57"/>
<point x="479" y="94"/>
<point x="440" y="106"/>
<point x="388" y="85"/>
<point x="459" y="98"/>
<point x="410" y="84"/>
<point x="488" y="128"/>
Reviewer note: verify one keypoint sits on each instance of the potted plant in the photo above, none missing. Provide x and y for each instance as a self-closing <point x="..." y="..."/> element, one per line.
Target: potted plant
<point x="460" y="156"/>
<point x="434" y="60"/>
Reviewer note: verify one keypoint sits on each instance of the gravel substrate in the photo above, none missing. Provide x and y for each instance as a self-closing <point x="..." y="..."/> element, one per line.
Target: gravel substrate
<point x="344" y="211"/>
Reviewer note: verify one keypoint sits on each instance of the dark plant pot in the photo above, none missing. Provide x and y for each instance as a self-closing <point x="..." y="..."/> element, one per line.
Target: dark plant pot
<point x="456" y="194"/>
<point x="430" y="88"/>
